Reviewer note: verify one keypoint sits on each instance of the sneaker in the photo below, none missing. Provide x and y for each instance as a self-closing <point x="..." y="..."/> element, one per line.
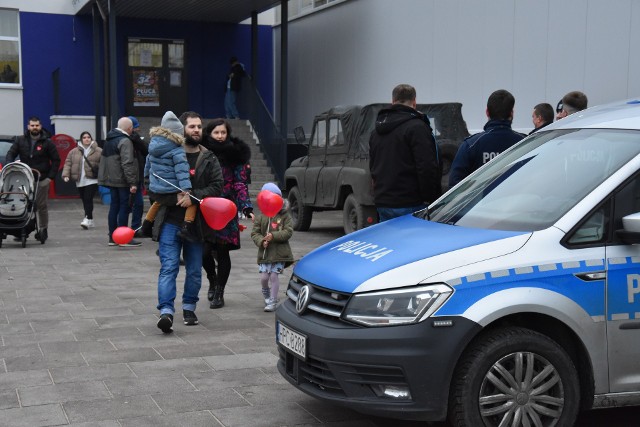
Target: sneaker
<point x="111" y="242"/>
<point x="190" y="317"/>
<point x="266" y="294"/>
<point x="271" y="305"/>
<point x="90" y="223"/>
<point x="132" y="243"/>
<point x="165" y="323"/>
<point x="42" y="235"/>
<point x="85" y="223"/>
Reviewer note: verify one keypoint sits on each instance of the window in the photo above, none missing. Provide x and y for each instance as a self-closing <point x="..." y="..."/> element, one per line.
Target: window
<point x="335" y="133"/>
<point x="320" y="137"/>
<point x="9" y="48"/>
<point x="534" y="184"/>
<point x="300" y="8"/>
<point x="145" y="54"/>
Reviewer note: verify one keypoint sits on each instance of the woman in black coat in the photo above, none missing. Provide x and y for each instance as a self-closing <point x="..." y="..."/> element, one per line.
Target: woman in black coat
<point x="233" y="154"/>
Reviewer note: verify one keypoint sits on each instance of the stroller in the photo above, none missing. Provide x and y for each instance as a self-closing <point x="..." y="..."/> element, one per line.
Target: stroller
<point x="18" y="190"/>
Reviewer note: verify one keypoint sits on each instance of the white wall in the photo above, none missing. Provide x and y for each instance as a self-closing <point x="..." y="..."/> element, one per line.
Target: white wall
<point x="11" y="117"/>
<point x="462" y="50"/>
<point x="65" y="7"/>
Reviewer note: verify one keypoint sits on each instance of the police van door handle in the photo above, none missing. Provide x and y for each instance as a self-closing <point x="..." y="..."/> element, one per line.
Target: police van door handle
<point x="591" y="276"/>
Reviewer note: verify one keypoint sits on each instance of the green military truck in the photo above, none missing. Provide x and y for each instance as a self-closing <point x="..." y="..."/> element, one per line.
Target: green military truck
<point x="334" y="175"/>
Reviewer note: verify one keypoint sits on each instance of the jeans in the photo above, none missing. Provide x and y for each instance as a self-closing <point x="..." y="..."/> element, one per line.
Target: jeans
<point x="385" y="214"/>
<point x="137" y="208"/>
<point x="170" y="245"/>
<point x="230" y="109"/>
<point x="119" y="208"/>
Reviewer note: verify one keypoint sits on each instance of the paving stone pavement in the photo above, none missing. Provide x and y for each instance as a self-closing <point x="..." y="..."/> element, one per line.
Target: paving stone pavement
<point x="80" y="344"/>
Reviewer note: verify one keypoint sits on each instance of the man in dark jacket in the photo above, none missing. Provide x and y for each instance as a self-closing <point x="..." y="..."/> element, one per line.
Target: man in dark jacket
<point x="36" y="149"/>
<point x="119" y="172"/>
<point x="478" y="149"/>
<point x="140" y="151"/>
<point x="541" y="116"/>
<point x="206" y="180"/>
<point x="403" y="158"/>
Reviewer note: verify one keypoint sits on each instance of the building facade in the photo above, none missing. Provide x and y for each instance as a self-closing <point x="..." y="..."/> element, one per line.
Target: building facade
<point x="162" y="64"/>
<point x="462" y="50"/>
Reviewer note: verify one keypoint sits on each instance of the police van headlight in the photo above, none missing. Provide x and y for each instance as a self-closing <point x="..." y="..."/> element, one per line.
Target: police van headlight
<point x="398" y="306"/>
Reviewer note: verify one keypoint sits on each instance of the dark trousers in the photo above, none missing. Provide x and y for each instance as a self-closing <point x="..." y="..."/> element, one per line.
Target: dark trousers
<point x="87" y="193"/>
<point x="215" y="252"/>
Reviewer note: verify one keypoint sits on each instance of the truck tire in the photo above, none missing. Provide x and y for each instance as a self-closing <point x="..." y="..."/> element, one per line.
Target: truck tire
<point x="517" y="377"/>
<point x="356" y="216"/>
<point x="300" y="213"/>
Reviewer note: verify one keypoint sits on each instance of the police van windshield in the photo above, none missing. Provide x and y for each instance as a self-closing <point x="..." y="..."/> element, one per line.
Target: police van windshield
<point x="534" y="184"/>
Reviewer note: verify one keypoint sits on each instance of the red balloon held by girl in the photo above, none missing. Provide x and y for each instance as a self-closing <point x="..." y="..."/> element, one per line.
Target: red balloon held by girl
<point x="269" y="203"/>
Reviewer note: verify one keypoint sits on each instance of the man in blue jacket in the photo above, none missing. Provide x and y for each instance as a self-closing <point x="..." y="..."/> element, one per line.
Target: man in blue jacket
<point x="478" y="149"/>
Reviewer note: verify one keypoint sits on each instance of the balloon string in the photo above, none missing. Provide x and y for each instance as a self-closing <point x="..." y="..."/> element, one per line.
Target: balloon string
<point x="264" y="254"/>
<point x="176" y="187"/>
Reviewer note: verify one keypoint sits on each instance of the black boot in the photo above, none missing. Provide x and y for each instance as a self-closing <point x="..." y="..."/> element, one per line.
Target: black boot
<point x="212" y="286"/>
<point x="218" y="297"/>
<point x="146" y="230"/>
<point x="187" y="232"/>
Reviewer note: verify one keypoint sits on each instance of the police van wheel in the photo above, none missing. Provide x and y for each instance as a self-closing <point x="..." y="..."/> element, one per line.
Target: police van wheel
<point x="300" y="213"/>
<point x="517" y="377"/>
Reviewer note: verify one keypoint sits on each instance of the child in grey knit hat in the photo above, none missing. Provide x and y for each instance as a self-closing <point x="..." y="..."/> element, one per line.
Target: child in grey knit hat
<point x="167" y="168"/>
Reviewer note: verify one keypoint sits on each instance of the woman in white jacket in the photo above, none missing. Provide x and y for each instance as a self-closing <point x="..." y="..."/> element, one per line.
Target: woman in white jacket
<point x="81" y="166"/>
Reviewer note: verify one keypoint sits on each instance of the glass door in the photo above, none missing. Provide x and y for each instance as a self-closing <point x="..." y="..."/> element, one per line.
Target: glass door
<point x="156" y="78"/>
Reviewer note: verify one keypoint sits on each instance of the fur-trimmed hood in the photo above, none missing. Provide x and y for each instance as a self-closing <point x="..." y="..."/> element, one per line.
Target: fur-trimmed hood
<point x="166" y="133"/>
<point x="231" y="152"/>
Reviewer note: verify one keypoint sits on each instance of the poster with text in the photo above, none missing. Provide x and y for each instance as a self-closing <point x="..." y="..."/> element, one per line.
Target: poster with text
<point x="146" y="92"/>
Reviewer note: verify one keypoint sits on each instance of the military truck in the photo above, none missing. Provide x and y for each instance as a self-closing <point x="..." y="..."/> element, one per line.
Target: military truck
<point x="334" y="175"/>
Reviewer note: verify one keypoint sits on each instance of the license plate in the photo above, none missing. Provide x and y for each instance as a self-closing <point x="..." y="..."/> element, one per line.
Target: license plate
<point x="292" y="340"/>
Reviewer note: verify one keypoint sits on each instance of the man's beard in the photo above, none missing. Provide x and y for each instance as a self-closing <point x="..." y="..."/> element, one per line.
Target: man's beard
<point x="192" y="142"/>
<point x="35" y="133"/>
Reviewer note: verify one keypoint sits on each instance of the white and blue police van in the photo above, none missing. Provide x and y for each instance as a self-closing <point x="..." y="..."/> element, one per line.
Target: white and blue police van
<point x="514" y="299"/>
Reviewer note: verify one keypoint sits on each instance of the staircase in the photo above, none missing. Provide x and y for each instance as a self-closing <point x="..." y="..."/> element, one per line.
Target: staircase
<point x="261" y="171"/>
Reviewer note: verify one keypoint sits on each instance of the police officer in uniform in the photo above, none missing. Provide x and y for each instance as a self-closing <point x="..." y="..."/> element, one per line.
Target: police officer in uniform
<point x="478" y="149"/>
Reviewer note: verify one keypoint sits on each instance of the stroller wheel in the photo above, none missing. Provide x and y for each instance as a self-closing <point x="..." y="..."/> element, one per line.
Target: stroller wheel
<point x="24" y="241"/>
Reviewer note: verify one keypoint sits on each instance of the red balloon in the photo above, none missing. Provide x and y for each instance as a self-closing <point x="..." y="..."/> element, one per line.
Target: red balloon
<point x="122" y="235"/>
<point x="218" y="211"/>
<point x="269" y="203"/>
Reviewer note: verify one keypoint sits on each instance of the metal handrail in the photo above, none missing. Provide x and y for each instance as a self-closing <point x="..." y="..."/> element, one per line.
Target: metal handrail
<point x="271" y="141"/>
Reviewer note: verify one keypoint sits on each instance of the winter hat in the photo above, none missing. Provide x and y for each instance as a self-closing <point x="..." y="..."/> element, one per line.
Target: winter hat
<point x="171" y="122"/>
<point x="136" y="123"/>
<point x="270" y="186"/>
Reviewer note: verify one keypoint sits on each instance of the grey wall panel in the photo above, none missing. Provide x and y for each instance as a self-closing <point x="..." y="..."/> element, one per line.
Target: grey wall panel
<point x="462" y="50"/>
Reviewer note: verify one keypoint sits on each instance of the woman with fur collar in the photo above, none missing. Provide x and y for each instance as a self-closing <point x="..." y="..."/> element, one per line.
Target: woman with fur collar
<point x="233" y="154"/>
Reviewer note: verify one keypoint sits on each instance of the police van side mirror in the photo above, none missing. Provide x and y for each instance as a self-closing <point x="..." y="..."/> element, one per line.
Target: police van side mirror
<point x="630" y="233"/>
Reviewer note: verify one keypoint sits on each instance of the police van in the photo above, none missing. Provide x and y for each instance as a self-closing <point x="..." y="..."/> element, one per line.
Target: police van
<point x="514" y="299"/>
